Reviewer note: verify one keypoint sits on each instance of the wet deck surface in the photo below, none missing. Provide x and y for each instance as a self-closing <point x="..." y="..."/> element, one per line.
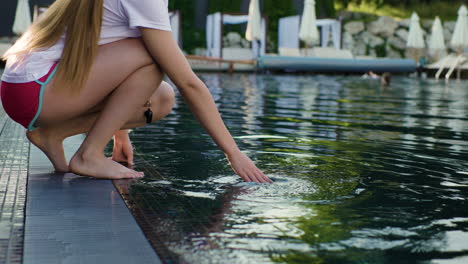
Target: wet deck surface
<point x="73" y="219"/>
<point x="65" y="218"/>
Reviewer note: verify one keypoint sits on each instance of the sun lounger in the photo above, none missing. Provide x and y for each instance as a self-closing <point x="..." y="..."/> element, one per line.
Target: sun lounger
<point x="447" y="62"/>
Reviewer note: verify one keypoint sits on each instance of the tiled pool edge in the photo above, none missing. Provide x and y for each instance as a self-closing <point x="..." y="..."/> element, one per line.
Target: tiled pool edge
<point x="14" y="156"/>
<point x="71" y="219"/>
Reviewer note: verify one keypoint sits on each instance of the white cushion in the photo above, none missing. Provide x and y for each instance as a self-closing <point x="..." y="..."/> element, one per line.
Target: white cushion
<point x="237" y="54"/>
<point x="289" y="52"/>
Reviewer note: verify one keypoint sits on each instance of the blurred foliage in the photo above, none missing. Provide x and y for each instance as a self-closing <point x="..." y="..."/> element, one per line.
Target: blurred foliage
<point x="274" y="10"/>
<point x="426" y="9"/>
<point x="194" y="37"/>
<point x="325" y="8"/>
<point x="226" y="6"/>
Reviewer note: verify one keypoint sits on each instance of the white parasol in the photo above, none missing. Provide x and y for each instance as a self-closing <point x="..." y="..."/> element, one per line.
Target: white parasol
<point x="22" y="17"/>
<point x="436" y="41"/>
<point x="460" y="34"/>
<point x="254" y="31"/>
<point x="415" y="36"/>
<point x="308" y="31"/>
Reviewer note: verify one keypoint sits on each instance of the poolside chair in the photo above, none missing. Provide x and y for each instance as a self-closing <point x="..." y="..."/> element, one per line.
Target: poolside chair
<point x="451" y="63"/>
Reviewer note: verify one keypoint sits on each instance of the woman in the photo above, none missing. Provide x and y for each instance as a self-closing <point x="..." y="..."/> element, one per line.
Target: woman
<point x="96" y="67"/>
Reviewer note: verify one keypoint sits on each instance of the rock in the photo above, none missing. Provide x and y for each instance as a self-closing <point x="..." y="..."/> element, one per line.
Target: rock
<point x="233" y="39"/>
<point x="376" y="41"/>
<point x="427" y="24"/>
<point x="227" y="44"/>
<point x="348" y="41"/>
<point x="359" y="48"/>
<point x="370" y="39"/>
<point x="354" y="27"/>
<point x="396" y="43"/>
<point x="424" y="32"/>
<point x="450" y="25"/>
<point x="427" y="40"/>
<point x="346" y="15"/>
<point x="245" y="43"/>
<point x="365" y="37"/>
<point x="404" y="23"/>
<point x="391" y="53"/>
<point x="413" y="54"/>
<point x="447" y="35"/>
<point x="384" y="26"/>
<point x="402" y="34"/>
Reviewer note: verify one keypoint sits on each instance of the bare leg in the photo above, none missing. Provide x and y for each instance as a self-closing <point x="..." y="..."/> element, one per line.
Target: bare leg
<point x="123" y="76"/>
<point x="122" y="104"/>
<point x="50" y="138"/>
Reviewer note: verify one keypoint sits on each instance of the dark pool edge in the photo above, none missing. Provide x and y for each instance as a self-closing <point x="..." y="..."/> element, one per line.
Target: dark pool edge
<point x="157" y="240"/>
<point x="14" y="156"/>
<point x="71" y="219"/>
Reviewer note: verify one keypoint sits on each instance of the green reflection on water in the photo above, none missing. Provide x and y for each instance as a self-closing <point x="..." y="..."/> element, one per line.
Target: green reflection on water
<point x="358" y="173"/>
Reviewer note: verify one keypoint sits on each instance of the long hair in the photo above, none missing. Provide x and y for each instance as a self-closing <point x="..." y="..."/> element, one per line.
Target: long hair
<point x="81" y="21"/>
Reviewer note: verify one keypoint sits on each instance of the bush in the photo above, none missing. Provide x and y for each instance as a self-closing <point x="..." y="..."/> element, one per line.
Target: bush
<point x="194" y="37"/>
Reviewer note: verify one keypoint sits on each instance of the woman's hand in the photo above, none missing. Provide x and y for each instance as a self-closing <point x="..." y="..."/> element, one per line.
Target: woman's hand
<point x="166" y="53"/>
<point x="123" y="149"/>
<point x="246" y="169"/>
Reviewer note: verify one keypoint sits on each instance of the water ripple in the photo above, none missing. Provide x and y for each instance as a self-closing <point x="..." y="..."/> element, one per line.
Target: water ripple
<point x="362" y="174"/>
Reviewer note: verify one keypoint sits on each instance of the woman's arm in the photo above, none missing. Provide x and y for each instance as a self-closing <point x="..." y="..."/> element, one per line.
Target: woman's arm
<point x="169" y="57"/>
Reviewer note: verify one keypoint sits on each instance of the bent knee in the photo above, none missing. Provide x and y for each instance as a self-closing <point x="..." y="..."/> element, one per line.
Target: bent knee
<point x="164" y="99"/>
<point x="149" y="75"/>
<point x="167" y="93"/>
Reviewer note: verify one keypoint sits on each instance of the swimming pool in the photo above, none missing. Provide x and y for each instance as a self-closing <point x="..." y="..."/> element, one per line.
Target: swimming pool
<point x="363" y="174"/>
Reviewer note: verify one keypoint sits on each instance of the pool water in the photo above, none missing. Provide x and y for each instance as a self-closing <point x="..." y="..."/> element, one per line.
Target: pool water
<point x="363" y="173"/>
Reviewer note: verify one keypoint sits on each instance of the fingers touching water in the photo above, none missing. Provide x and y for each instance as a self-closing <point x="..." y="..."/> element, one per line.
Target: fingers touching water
<point x="246" y="169"/>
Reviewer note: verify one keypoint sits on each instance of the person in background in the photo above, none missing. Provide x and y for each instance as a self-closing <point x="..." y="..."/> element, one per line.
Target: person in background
<point x="385" y="78"/>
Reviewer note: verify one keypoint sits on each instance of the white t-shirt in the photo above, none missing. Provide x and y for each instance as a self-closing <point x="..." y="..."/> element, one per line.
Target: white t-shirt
<point x="121" y="19"/>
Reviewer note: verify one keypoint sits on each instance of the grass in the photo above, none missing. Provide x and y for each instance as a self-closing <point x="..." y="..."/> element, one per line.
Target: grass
<point x="446" y="11"/>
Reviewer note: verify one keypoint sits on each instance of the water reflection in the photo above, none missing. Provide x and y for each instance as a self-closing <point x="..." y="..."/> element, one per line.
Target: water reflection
<point x="363" y="174"/>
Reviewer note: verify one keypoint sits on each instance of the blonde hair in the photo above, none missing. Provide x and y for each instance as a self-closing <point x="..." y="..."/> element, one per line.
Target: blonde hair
<point x="81" y="20"/>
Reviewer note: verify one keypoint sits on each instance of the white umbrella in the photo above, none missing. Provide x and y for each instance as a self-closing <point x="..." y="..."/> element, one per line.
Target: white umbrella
<point x="460" y="34"/>
<point x="437" y="42"/>
<point x="415" y="35"/>
<point x="22" y="17"/>
<point x="254" y="31"/>
<point x="308" y="31"/>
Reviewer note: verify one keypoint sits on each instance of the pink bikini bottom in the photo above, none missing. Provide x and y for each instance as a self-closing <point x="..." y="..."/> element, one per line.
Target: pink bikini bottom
<point x="23" y="101"/>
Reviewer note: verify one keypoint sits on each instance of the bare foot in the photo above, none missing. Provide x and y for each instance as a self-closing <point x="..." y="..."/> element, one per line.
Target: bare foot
<point x="101" y="167"/>
<point x="52" y="145"/>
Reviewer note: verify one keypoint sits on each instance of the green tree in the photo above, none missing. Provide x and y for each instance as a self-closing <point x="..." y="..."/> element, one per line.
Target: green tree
<point x="275" y="10"/>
